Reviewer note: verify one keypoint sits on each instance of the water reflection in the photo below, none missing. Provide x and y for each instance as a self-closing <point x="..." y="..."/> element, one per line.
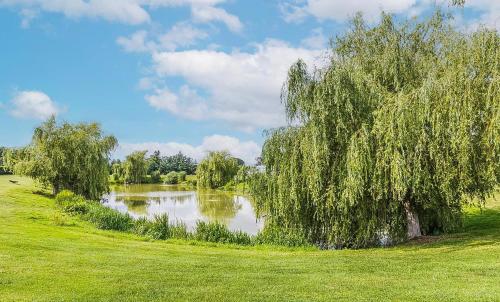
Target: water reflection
<point x="185" y="205"/>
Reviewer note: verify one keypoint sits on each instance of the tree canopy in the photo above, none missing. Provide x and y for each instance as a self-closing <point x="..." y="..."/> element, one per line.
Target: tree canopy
<point x="136" y="167"/>
<point x="216" y="170"/>
<point x="66" y="156"/>
<point x="400" y="130"/>
<point x="177" y="163"/>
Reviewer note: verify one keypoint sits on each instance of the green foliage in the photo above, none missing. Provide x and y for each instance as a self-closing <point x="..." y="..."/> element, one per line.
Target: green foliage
<point x="155" y="177"/>
<point x="154" y="162"/>
<point x="172" y="178"/>
<point x="216" y="170"/>
<point x="136" y="167"/>
<point x="218" y="232"/>
<point x="66" y="197"/>
<point x="67" y="156"/>
<point x="182" y="176"/>
<point x="272" y="235"/>
<point x="404" y="121"/>
<point x="179" y="231"/>
<point x="108" y="219"/>
<point x="77" y="208"/>
<point x="3" y="164"/>
<point x="177" y="163"/>
<point x="159" y="228"/>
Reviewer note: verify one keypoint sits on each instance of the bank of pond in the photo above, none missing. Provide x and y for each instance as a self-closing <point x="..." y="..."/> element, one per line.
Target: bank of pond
<point x="163" y="212"/>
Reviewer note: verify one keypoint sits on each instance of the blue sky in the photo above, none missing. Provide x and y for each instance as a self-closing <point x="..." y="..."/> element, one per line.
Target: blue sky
<point x="174" y="75"/>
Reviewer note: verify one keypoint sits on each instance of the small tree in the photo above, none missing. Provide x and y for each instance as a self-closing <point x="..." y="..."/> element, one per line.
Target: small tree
<point x="67" y="156"/>
<point x="136" y="167"/>
<point x="216" y="170"/>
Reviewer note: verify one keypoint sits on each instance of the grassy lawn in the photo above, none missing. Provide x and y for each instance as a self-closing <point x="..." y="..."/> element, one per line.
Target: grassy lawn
<point x="44" y="257"/>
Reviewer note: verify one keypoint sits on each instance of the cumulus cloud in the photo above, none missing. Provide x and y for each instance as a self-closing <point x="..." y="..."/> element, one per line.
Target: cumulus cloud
<point x="186" y="103"/>
<point x="210" y="13"/>
<point x="246" y="150"/>
<point x="243" y="88"/>
<point x="339" y="10"/>
<point x="125" y="11"/>
<point x="33" y="104"/>
<point x="180" y="35"/>
<point x="297" y="10"/>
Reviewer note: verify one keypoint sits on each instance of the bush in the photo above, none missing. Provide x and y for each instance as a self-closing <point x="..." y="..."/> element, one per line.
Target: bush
<point x="67" y="197"/>
<point x="141" y="226"/>
<point x="108" y="219"/>
<point x="172" y="178"/>
<point x="276" y="236"/>
<point x="77" y="208"/>
<point x="159" y="228"/>
<point x="242" y="238"/>
<point x="212" y="232"/>
<point x="179" y="231"/>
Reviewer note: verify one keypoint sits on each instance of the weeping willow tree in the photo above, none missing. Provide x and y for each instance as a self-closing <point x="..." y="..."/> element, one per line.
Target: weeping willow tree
<point x="216" y="170"/>
<point x="136" y="167"/>
<point x="392" y="139"/>
<point x="66" y="156"/>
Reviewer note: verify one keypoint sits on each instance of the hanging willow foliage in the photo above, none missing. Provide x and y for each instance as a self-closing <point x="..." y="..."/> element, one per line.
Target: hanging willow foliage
<point x="216" y="170"/>
<point x="67" y="156"/>
<point x="401" y="129"/>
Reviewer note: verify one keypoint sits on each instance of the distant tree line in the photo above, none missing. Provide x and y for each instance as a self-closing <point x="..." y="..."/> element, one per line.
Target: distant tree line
<point x="138" y="168"/>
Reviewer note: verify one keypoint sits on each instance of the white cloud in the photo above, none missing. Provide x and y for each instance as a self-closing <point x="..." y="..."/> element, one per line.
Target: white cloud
<point x="210" y="13"/>
<point x="339" y="10"/>
<point x="180" y="35"/>
<point x="243" y="87"/>
<point x="125" y="11"/>
<point x="135" y="43"/>
<point x="246" y="150"/>
<point x="186" y="103"/>
<point x="33" y="104"/>
<point x="317" y="40"/>
<point x="489" y="14"/>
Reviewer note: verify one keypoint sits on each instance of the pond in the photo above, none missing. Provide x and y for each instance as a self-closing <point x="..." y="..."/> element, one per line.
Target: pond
<point x="185" y="204"/>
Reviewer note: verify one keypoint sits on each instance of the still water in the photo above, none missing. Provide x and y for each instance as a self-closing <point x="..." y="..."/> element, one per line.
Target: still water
<point x="186" y="205"/>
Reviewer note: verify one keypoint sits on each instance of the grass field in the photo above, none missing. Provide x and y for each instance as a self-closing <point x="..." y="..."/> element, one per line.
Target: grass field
<point x="48" y="257"/>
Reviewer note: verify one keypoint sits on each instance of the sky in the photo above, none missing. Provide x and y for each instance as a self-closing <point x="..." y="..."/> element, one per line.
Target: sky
<point x="174" y="75"/>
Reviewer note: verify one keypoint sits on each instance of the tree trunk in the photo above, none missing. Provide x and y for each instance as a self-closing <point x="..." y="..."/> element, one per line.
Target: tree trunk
<point x="412" y="221"/>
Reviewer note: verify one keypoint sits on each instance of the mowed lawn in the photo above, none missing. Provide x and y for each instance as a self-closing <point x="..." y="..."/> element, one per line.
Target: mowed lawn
<point x="42" y="260"/>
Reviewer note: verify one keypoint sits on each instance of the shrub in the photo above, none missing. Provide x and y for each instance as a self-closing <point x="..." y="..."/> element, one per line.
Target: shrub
<point x="276" y="236"/>
<point x="108" y="219"/>
<point x="77" y="208"/>
<point x="159" y="227"/>
<point x="172" y="178"/>
<point x="240" y="237"/>
<point x="66" y="197"/>
<point x="179" y="231"/>
<point x="141" y="226"/>
<point x="213" y="232"/>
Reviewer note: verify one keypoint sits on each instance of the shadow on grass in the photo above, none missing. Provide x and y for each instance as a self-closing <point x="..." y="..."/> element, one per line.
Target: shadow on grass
<point x="43" y="193"/>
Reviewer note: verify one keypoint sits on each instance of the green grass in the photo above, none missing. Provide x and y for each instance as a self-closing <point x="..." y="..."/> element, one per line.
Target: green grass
<point x="46" y="256"/>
